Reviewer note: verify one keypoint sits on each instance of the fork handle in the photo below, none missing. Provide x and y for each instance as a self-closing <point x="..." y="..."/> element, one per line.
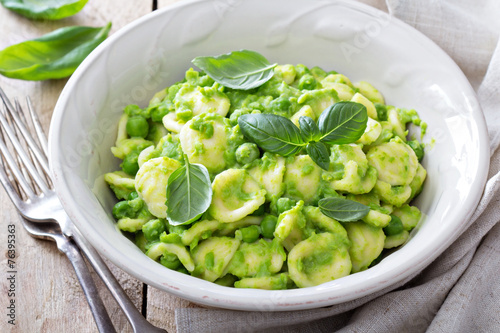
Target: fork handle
<point x="135" y="318"/>
<point x="101" y="317"/>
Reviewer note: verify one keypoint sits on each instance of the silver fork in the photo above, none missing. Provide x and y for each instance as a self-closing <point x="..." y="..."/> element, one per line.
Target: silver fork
<point x="44" y="205"/>
<point x="52" y="231"/>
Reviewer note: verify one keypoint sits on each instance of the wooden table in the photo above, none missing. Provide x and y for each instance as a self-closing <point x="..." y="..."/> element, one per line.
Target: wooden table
<point x="48" y="297"/>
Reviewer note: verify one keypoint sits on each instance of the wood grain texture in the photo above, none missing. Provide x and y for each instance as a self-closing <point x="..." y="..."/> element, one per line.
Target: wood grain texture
<point x="48" y="296"/>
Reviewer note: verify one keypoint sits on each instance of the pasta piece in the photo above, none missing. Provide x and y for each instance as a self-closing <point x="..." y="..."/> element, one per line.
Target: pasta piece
<point x="286" y="73"/>
<point x="342" y="86"/>
<point x="372" y="132"/>
<point x="212" y="256"/>
<point x="396" y="162"/>
<point x="369" y="92"/>
<point x="199" y="231"/>
<point x="417" y="182"/>
<point x="367" y="242"/>
<point x="370" y="108"/>
<point x="269" y="173"/>
<point x="226" y="229"/>
<point x="121" y="183"/>
<point x="409" y="215"/>
<point x="351" y="170"/>
<point x="290" y="228"/>
<point x="145" y="155"/>
<point x="302" y="178"/>
<point x="192" y="101"/>
<point x="151" y="181"/>
<point x="318" y="259"/>
<point x="305" y="111"/>
<point x="258" y="258"/>
<point x="235" y="195"/>
<point x="394" y="195"/>
<point x="274" y="282"/>
<point x="159" y="249"/>
<point x="323" y="223"/>
<point x="396" y="240"/>
<point x="204" y="141"/>
<point x="319" y="99"/>
<point x="172" y="123"/>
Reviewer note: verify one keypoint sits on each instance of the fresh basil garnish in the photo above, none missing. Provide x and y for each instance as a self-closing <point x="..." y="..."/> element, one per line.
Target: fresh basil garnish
<point x="243" y="69"/>
<point x="46" y="9"/>
<point x="272" y="133"/>
<point x="309" y="129"/>
<point x="318" y="152"/>
<point x="343" y="122"/>
<point x="53" y="56"/>
<point x="343" y="210"/>
<point x="189" y="193"/>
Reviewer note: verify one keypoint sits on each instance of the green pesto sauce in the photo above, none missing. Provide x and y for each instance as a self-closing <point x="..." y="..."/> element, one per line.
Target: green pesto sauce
<point x="263" y="263"/>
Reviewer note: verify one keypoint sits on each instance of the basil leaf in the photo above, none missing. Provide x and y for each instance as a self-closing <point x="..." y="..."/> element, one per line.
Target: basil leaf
<point x="309" y="129"/>
<point x="46" y="9"/>
<point x="272" y="133"/>
<point x="238" y="70"/>
<point x="189" y="193"/>
<point x="343" y="210"/>
<point x="343" y="122"/>
<point x="53" y="56"/>
<point x="319" y="154"/>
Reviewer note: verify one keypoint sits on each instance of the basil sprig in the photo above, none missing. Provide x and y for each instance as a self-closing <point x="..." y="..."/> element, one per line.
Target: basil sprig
<point x="272" y="133"/>
<point x="343" y="210"/>
<point x="53" y="56"/>
<point x="46" y="9"/>
<point x="242" y="70"/>
<point x="341" y="123"/>
<point x="189" y="193"/>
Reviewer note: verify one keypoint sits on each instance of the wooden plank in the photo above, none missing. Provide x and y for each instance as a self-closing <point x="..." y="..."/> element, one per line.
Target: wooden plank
<point x="48" y="297"/>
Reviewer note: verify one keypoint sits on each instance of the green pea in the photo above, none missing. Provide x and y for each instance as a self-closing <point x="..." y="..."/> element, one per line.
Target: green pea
<point x="122" y="209"/>
<point x="133" y="195"/>
<point x="170" y="261"/>
<point x="394" y="227"/>
<point x="418" y="148"/>
<point x="137" y="126"/>
<point x="153" y="229"/>
<point x="247" y="153"/>
<point x="381" y="111"/>
<point x="268" y="225"/>
<point x="249" y="234"/>
<point x="285" y="204"/>
<point x="130" y="163"/>
<point x="170" y="238"/>
<point x="280" y="104"/>
<point x="260" y="211"/>
<point x="177" y="229"/>
<point x="307" y="82"/>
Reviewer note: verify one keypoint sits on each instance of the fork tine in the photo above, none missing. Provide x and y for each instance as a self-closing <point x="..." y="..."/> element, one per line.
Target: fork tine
<point x="11" y="190"/>
<point x="22" y="154"/>
<point x="6" y="182"/>
<point x="30" y="152"/>
<point x="4" y="98"/>
<point x="40" y="156"/>
<point x="42" y="139"/>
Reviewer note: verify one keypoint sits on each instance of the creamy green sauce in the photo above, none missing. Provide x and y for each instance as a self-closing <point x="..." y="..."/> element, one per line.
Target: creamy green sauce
<point x="263" y="228"/>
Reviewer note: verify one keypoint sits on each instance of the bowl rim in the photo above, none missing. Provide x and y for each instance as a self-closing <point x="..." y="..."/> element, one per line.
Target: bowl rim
<point x="223" y="297"/>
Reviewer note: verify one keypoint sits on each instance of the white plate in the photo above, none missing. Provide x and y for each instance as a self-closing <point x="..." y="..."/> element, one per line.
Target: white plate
<point x="356" y="40"/>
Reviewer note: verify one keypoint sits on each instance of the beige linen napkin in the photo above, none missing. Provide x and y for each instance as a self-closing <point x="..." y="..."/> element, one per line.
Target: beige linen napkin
<point x="460" y="290"/>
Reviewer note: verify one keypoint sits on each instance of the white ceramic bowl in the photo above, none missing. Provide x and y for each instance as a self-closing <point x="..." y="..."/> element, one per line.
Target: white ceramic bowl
<point x="351" y="38"/>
